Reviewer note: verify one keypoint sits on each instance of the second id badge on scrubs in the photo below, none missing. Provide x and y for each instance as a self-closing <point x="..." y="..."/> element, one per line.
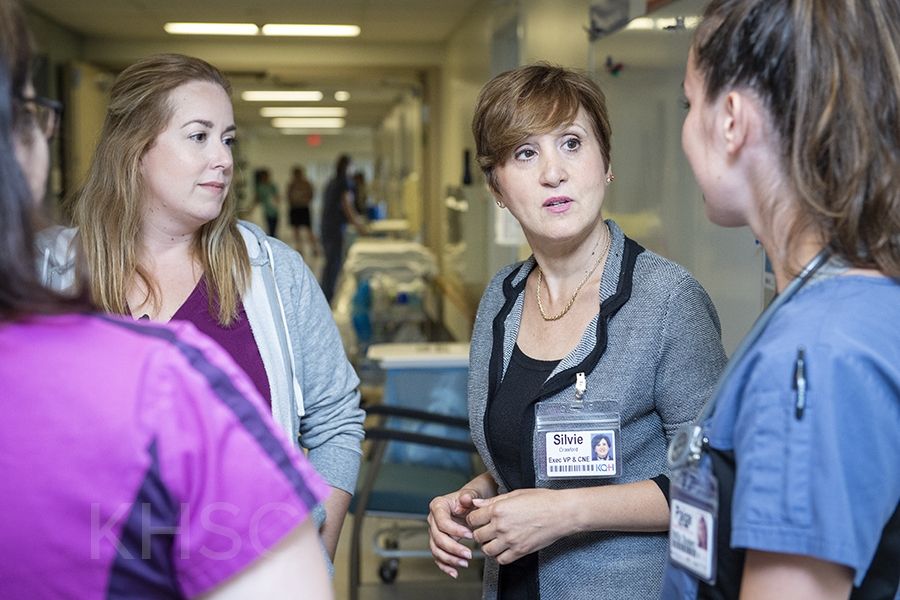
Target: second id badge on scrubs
<point x="693" y="520"/>
<point x="577" y="440"/>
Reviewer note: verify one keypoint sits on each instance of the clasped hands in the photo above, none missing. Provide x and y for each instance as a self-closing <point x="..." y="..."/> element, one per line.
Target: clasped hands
<point x="507" y="526"/>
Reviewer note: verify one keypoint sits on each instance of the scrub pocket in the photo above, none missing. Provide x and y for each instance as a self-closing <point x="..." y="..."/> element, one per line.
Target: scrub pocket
<point x="774" y="450"/>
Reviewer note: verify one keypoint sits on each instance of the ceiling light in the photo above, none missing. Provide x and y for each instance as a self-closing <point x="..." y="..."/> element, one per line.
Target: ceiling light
<point x="311" y="30"/>
<point x="281" y="96"/>
<point x="651" y="24"/>
<point x="303" y="111"/>
<point x="341" y="96"/>
<point x="292" y="122"/>
<point x="307" y="131"/>
<point x="641" y="24"/>
<point x="211" y="28"/>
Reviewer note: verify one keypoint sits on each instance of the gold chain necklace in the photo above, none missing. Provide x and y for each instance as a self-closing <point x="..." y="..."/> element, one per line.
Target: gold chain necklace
<point x="587" y="276"/>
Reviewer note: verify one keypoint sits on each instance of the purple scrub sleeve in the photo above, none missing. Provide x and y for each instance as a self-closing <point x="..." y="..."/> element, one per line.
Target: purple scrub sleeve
<point x="137" y="460"/>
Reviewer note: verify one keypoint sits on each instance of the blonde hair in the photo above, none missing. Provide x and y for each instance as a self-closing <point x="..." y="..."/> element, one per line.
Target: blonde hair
<point x="529" y="100"/>
<point x="107" y="209"/>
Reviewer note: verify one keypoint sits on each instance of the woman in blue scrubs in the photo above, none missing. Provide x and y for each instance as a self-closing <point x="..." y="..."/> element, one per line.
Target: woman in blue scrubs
<point x="793" y="129"/>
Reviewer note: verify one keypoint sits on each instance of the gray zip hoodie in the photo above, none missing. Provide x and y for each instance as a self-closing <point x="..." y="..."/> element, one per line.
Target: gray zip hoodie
<point x="313" y="385"/>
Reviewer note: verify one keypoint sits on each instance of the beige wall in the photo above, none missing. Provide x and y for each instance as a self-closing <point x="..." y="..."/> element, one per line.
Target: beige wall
<point x="86" y="98"/>
<point x="554" y="31"/>
<point x="60" y="45"/>
<point x="400" y="151"/>
<point x="466" y="68"/>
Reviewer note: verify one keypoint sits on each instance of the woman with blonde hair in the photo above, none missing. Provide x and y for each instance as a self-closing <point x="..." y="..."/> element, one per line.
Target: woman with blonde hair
<point x="157" y="237"/>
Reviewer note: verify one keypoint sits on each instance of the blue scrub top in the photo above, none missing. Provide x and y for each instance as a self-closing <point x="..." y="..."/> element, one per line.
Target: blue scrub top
<point x="826" y="483"/>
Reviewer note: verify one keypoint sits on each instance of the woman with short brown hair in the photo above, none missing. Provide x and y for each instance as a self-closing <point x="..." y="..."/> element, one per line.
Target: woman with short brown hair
<point x="590" y="335"/>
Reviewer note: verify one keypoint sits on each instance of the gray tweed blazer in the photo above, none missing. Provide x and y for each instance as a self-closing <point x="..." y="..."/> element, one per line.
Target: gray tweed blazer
<point x="662" y="359"/>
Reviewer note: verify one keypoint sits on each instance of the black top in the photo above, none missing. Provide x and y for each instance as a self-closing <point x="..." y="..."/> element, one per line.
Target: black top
<point x="881" y="581"/>
<point x="333" y="217"/>
<point x="511" y="417"/>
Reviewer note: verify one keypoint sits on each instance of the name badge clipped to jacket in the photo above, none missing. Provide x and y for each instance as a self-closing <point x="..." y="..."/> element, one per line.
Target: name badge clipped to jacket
<point x="578" y="440"/>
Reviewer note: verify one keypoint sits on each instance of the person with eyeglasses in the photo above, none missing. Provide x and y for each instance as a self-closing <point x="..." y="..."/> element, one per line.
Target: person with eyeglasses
<point x="793" y="129"/>
<point x="44" y="114"/>
<point x="137" y="459"/>
<point x="47" y="113"/>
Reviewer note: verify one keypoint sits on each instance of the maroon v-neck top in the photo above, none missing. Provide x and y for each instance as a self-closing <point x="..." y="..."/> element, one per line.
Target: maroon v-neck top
<point x="237" y="339"/>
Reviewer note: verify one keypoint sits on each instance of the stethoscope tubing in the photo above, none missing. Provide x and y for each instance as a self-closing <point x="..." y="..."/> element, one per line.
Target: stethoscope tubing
<point x="694" y="430"/>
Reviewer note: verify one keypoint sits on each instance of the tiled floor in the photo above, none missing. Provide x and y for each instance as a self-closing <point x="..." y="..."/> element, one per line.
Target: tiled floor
<point x="418" y="578"/>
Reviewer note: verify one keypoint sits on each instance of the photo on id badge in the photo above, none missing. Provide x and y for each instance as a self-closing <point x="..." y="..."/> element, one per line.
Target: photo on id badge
<point x="589" y="453"/>
<point x="602" y="446"/>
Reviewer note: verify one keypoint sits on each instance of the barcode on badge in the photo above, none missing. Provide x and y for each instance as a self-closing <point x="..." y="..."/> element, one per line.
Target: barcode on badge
<point x="575" y="468"/>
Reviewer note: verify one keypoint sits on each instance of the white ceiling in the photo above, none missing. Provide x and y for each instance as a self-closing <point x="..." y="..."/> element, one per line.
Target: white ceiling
<point x="399" y="40"/>
<point x="380" y="20"/>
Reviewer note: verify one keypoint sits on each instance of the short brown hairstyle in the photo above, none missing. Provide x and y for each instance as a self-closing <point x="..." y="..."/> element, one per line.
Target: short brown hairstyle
<point x="529" y="100"/>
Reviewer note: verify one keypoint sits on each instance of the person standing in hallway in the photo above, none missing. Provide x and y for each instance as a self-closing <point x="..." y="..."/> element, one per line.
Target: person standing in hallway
<point x="337" y="210"/>
<point x="267" y="197"/>
<point x="157" y="238"/>
<point x="793" y="129"/>
<point x="300" y="195"/>
<point x="591" y="333"/>
<point x="117" y="433"/>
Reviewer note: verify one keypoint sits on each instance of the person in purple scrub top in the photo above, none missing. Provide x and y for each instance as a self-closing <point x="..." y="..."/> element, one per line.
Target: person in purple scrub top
<point x="137" y="459"/>
<point x="156" y="236"/>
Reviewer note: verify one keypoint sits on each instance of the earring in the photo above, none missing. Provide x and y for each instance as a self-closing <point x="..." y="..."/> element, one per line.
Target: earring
<point x="500" y="204"/>
<point x="610" y="177"/>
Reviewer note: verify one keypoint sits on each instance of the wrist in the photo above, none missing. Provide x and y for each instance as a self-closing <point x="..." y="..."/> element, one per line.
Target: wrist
<point x="572" y="502"/>
<point x="484" y="485"/>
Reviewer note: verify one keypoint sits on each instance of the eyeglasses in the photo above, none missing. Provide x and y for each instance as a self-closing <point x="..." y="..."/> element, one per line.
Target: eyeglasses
<point x="46" y="112"/>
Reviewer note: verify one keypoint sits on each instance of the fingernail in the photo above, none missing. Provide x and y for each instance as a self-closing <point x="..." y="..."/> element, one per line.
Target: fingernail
<point x="463" y="563"/>
<point x="468" y="554"/>
<point x="468" y="535"/>
<point x="453" y="574"/>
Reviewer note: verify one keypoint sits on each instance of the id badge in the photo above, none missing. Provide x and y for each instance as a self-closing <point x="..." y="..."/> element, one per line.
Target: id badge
<point x="578" y="440"/>
<point x="693" y="520"/>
